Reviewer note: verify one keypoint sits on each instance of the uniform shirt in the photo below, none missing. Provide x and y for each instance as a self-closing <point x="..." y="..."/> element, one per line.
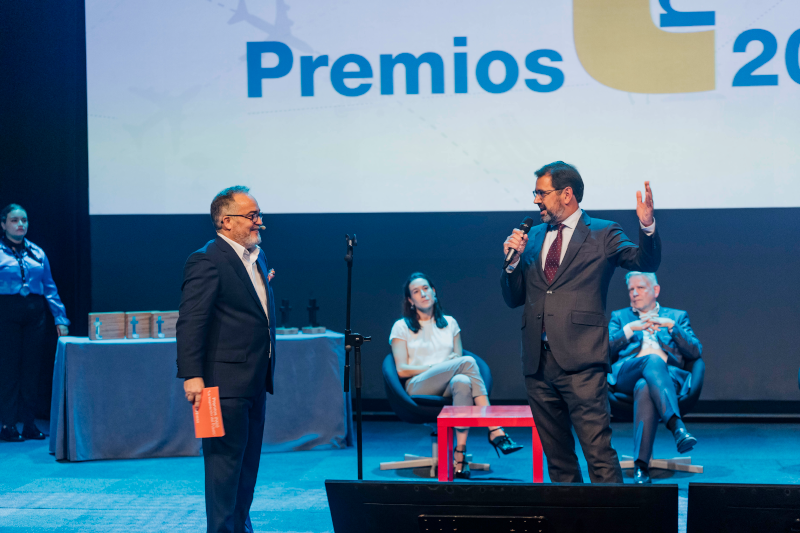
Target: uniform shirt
<point x="28" y="262"/>
<point x="431" y="344"/>
<point x="249" y="261"/>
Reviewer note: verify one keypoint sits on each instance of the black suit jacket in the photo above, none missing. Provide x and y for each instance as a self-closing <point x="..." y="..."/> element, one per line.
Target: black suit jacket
<point x="574" y="304"/>
<point x="223" y="334"/>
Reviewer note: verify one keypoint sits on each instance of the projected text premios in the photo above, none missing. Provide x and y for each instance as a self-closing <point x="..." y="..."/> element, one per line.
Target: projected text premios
<point x="256" y="73"/>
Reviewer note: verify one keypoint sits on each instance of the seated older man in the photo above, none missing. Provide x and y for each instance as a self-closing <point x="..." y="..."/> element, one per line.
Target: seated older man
<point x="651" y="343"/>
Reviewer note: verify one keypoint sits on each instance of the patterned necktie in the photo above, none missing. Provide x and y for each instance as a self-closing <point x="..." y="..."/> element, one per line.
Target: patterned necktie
<point x="553" y="257"/>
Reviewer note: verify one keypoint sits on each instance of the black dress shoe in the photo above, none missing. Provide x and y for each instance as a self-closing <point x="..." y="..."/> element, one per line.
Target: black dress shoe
<point x="641" y="475"/>
<point x="462" y="467"/>
<point x="32" y="432"/>
<point x="683" y="440"/>
<point x="10" y="434"/>
<point x="503" y="444"/>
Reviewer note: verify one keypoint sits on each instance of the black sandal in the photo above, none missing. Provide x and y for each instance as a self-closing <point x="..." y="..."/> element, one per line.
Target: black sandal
<point x="503" y="444"/>
<point x="464" y="472"/>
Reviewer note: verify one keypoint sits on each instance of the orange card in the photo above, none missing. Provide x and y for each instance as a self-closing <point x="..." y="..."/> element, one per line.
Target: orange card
<point x="208" y="419"/>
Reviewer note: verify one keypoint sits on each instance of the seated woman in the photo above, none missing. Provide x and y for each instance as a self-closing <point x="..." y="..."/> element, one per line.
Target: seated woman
<point x="426" y="345"/>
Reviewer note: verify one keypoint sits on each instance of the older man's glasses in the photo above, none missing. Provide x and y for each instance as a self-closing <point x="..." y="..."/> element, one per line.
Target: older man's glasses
<point x="542" y="194"/>
<point x="252" y="217"/>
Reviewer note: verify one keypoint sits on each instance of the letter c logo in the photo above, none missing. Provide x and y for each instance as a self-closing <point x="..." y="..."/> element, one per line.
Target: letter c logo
<point x="620" y="47"/>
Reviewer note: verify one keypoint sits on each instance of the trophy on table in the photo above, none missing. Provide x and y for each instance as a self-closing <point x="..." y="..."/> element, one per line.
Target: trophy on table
<point x="314" y="328"/>
<point x="282" y="329"/>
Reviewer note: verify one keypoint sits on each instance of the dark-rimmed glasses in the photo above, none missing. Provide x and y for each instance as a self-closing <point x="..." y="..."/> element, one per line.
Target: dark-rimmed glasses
<point x="542" y="194"/>
<point x="252" y="217"/>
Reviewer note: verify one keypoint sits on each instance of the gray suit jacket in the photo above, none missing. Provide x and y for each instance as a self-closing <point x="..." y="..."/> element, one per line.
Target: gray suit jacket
<point x="574" y="304"/>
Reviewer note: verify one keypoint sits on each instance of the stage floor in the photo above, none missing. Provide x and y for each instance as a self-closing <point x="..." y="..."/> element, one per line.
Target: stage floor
<point x="154" y="495"/>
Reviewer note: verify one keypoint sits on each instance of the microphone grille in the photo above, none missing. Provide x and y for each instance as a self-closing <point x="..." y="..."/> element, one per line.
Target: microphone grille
<point x="526" y="224"/>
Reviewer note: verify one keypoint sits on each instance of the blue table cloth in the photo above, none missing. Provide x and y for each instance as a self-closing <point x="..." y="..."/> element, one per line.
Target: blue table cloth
<point x="120" y="399"/>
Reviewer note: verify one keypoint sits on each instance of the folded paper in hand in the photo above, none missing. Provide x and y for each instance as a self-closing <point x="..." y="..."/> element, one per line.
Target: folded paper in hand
<point x="208" y="419"/>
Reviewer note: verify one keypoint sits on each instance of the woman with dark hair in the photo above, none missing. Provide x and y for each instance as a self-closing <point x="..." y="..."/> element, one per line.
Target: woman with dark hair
<point x="426" y="345"/>
<point x="26" y="286"/>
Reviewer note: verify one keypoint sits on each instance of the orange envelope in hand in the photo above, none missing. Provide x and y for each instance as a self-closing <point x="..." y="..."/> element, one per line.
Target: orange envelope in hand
<point x="208" y="419"/>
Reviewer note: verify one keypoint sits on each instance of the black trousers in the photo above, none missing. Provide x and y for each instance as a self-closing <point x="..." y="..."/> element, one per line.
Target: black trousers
<point x="22" y="331"/>
<point x="562" y="400"/>
<point x="231" y="464"/>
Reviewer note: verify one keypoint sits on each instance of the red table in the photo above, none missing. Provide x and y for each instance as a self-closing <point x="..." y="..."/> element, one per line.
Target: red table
<point x="509" y="416"/>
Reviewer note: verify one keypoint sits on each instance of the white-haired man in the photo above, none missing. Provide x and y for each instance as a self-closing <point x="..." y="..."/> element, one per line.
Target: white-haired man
<point x="650" y="344"/>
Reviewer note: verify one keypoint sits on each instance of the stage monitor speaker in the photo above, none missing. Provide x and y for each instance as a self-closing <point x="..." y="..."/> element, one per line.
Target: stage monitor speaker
<point x="432" y="507"/>
<point x="742" y="508"/>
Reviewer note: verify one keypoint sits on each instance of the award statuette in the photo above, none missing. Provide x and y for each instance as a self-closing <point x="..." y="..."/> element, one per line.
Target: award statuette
<point x="282" y="329"/>
<point x="106" y="326"/>
<point x="314" y="328"/>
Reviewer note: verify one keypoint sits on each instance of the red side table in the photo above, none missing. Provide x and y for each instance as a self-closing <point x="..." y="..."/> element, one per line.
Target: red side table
<point x="509" y="416"/>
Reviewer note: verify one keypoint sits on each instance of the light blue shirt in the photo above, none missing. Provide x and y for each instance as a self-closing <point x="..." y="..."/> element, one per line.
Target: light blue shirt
<point x="38" y="278"/>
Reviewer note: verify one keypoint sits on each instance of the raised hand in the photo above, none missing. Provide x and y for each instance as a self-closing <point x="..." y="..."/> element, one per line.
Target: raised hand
<point x="644" y="209"/>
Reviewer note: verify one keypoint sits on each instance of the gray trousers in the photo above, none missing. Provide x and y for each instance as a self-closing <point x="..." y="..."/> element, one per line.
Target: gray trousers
<point x="562" y="400"/>
<point x="459" y="378"/>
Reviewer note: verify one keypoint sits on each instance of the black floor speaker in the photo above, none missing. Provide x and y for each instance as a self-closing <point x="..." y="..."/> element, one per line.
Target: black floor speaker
<point x="432" y="507"/>
<point x="741" y="508"/>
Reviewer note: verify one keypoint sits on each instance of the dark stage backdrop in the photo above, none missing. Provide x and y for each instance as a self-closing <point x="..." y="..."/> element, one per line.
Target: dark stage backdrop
<point x="734" y="270"/>
<point x="43" y="154"/>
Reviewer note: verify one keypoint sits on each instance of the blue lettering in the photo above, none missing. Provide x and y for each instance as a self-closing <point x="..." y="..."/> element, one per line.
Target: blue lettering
<point x="412" y="64"/>
<point x="556" y="76"/>
<point x="338" y="75"/>
<point x="681" y="19"/>
<point x="307" y="67"/>
<point x="460" y="60"/>
<point x="482" y="72"/>
<point x="256" y="73"/>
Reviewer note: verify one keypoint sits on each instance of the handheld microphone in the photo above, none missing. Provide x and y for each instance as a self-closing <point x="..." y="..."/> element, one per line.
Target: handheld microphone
<point x="525" y="226"/>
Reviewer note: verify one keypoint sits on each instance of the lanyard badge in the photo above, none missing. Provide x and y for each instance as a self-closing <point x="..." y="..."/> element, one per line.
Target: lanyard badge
<point x="24" y="290"/>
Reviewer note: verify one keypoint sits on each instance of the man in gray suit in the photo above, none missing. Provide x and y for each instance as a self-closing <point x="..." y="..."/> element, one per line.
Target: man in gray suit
<point x="650" y="344"/>
<point x="562" y="280"/>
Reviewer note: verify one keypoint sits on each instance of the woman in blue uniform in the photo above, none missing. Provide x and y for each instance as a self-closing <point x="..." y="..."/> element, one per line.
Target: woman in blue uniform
<point x="26" y="287"/>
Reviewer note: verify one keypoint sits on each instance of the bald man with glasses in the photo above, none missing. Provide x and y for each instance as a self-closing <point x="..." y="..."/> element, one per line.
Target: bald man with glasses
<point x="226" y="339"/>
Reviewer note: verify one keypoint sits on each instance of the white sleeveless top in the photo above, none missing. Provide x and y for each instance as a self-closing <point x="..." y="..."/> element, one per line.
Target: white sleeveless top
<point x="430" y="345"/>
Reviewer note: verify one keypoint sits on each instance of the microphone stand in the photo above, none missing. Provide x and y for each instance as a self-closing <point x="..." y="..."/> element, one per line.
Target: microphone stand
<point x="353" y="341"/>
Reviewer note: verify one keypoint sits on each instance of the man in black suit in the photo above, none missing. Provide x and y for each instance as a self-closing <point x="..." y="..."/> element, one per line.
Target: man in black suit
<point x="650" y="344"/>
<point x="562" y="280"/>
<point x="226" y="339"/>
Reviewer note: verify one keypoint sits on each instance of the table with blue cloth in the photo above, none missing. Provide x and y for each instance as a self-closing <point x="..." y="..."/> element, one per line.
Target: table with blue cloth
<point x="120" y="399"/>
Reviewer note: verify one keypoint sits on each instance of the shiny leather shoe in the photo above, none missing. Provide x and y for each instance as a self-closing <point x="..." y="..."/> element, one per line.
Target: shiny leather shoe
<point x="503" y="444"/>
<point x="32" y="432"/>
<point x="463" y="472"/>
<point x="641" y="475"/>
<point x="684" y="440"/>
<point x="10" y="434"/>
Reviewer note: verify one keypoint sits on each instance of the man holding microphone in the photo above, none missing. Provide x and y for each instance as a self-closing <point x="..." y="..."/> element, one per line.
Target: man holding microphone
<point x="562" y="279"/>
<point x="226" y="339"/>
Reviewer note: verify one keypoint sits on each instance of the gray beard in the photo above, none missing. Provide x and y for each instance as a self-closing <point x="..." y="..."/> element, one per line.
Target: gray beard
<point x="247" y="241"/>
<point x="554" y="219"/>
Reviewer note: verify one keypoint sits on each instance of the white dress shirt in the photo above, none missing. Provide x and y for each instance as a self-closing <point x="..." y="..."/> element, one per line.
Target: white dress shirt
<point x="570" y="224"/>
<point x="650" y="343"/>
<point x="249" y="261"/>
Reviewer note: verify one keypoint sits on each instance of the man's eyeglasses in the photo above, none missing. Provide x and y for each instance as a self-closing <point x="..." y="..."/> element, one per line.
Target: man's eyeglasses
<point x="252" y="217"/>
<point x="542" y="194"/>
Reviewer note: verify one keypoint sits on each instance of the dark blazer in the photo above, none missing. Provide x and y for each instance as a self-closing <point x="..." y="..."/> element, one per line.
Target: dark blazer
<point x="223" y="334"/>
<point x="574" y="304"/>
<point x="680" y="345"/>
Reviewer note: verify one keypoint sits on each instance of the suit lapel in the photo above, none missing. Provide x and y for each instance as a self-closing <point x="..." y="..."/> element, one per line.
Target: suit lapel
<point x="262" y="267"/>
<point x="578" y="236"/>
<point x="238" y="267"/>
<point x="538" y="244"/>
